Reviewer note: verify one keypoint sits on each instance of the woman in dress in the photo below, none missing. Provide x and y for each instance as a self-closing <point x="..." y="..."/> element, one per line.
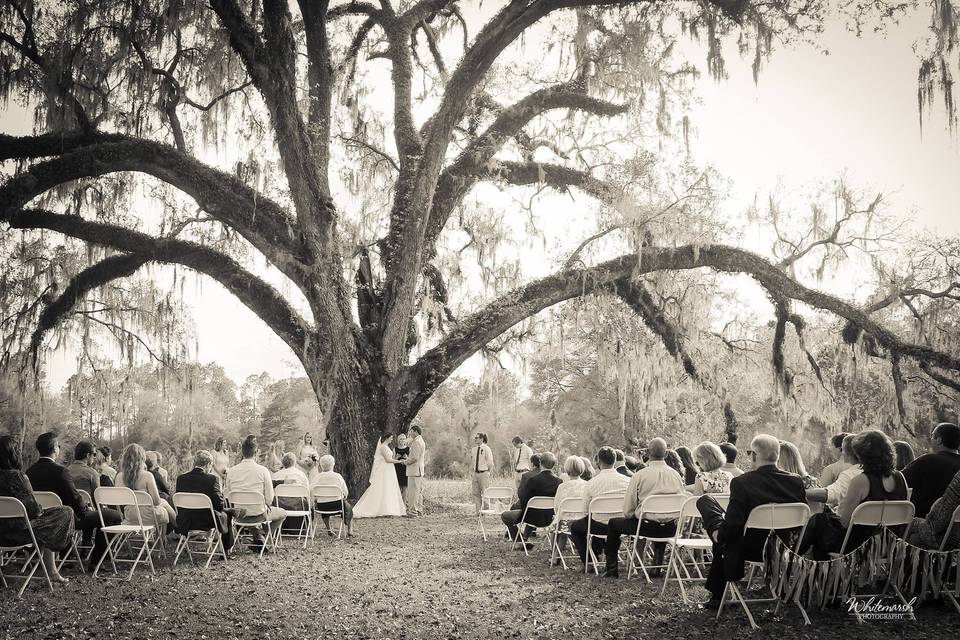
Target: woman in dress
<point x="221" y="458"/>
<point x="53" y="528"/>
<point x="689" y="474"/>
<point x="710" y="478"/>
<point x="401" y="453"/>
<point x="133" y="474"/>
<point x="382" y="497"/>
<point x="307" y="456"/>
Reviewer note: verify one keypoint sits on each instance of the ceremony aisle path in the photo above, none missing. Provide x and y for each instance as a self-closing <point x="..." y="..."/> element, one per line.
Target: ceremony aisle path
<point x="431" y="577"/>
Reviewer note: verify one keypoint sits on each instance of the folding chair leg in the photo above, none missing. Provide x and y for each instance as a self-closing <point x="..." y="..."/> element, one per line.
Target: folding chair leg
<point x="953" y="600"/>
<point x="483" y="530"/>
<point x="736" y="593"/>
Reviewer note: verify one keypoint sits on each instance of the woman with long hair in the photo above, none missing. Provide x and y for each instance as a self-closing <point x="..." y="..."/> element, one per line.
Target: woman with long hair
<point x="221" y="457"/>
<point x="134" y="475"/>
<point x="689" y="468"/>
<point x="275" y="458"/>
<point x="307" y="456"/>
<point x="52" y="527"/>
<point x="905" y="454"/>
<point x="674" y="462"/>
<point x="792" y="462"/>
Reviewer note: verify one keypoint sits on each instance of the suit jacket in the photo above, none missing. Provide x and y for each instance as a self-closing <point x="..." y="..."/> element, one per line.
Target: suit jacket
<point x="542" y="483"/>
<point x="622" y="470"/>
<point x="524" y="478"/>
<point x="416" y="462"/>
<point x="47" y="475"/>
<point x="761" y="486"/>
<point x="198" y="481"/>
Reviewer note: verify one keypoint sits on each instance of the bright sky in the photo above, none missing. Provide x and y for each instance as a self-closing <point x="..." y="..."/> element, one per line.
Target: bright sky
<point x="809" y="119"/>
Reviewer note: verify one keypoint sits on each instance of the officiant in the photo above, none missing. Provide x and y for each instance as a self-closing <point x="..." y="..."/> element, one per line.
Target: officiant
<point x="401" y="452"/>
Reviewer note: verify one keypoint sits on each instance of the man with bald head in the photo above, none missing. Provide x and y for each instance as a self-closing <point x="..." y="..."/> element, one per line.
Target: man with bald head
<point x="654" y="479"/>
<point x="766" y="484"/>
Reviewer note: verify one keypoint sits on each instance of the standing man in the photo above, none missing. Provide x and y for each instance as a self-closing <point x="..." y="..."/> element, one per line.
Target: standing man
<point x="521" y="459"/>
<point x="481" y="461"/>
<point x="416" y="465"/>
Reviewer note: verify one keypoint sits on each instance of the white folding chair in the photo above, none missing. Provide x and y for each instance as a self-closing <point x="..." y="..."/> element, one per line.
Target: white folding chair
<point x="305" y="513"/>
<point x="13" y="509"/>
<point x="570" y="509"/>
<point x="50" y="500"/>
<point x="323" y="494"/>
<point x="251" y="501"/>
<point x="663" y="505"/>
<point x="211" y="539"/>
<point x="609" y="505"/>
<point x="143" y="529"/>
<point x="493" y="502"/>
<point x="768" y="517"/>
<point x="692" y="545"/>
<point x="540" y="503"/>
<point x="952" y="596"/>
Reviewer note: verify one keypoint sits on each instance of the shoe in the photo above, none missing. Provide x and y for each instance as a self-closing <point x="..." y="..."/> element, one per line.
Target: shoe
<point x="527" y="546"/>
<point x="611" y="574"/>
<point x="712" y="604"/>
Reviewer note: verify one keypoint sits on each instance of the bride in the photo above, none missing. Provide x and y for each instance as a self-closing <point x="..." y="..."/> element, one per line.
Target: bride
<point x="382" y="497"/>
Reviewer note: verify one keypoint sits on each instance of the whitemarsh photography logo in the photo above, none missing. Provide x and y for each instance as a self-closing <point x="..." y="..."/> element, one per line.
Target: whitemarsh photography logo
<point x="874" y="608"/>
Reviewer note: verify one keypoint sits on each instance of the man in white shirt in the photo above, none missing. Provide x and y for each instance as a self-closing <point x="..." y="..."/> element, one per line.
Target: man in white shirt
<point x="330" y="478"/>
<point x="247" y="475"/>
<point x="834" y="493"/>
<point x="655" y="479"/>
<point x="521" y="459"/>
<point x="833" y="470"/>
<point x="607" y="480"/>
<point x="481" y="464"/>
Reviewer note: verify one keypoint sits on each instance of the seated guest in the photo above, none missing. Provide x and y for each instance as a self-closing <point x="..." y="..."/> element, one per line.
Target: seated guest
<point x="105" y="479"/>
<point x="158" y="463"/>
<point x="133" y="474"/>
<point x="634" y="464"/>
<point x="930" y="474"/>
<point x="689" y="468"/>
<point x="621" y="463"/>
<point x="247" y="475"/>
<point x="606" y="480"/>
<point x="928" y="532"/>
<point x="588" y="470"/>
<point x="654" y="479"/>
<point x="832" y="471"/>
<point x="46" y="475"/>
<point x="544" y="484"/>
<point x="672" y="460"/>
<point x="879" y="481"/>
<point x="730" y="452"/>
<point x="905" y="454"/>
<point x="290" y="473"/>
<point x="106" y="468"/>
<point x="327" y="477"/>
<point x="711" y="478"/>
<point x="573" y="486"/>
<point x="82" y="470"/>
<point x="162" y="486"/>
<point x="731" y="545"/>
<point x="526" y="475"/>
<point x="52" y="528"/>
<point x="834" y="493"/>
<point x="792" y="462"/>
<point x="201" y="479"/>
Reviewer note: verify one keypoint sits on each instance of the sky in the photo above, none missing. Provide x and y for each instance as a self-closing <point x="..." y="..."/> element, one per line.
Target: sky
<point x="846" y="106"/>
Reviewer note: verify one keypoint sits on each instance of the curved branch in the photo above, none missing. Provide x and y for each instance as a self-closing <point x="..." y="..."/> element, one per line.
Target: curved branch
<point x="265" y="301"/>
<point x="554" y="175"/>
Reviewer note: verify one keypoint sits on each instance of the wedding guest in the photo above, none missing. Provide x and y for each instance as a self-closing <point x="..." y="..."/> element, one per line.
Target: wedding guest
<point x="730" y="452"/>
<point x="928" y="532"/>
<point x="672" y="460"/>
<point x="158" y="463"/>
<point x="82" y="470"/>
<point x="221" y="457"/>
<point x="201" y="479"/>
<point x="731" y="545"/>
<point x="654" y="479"/>
<point x="106" y="466"/>
<point x="522" y="460"/>
<point x="47" y="475"/>
<point x="879" y="480"/>
<point x="134" y="475"/>
<point x="99" y="466"/>
<point x="308" y="456"/>
<point x="832" y="471"/>
<point x="930" y="474"/>
<point x="290" y="473"/>
<point x="574" y="468"/>
<point x="689" y="468"/>
<point x="621" y="463"/>
<point x="248" y="475"/>
<point x="52" y="527"/>
<point x="833" y="494"/>
<point x="481" y="464"/>
<point x="711" y="478"/>
<point x="163" y="488"/>
<point x="588" y="470"/>
<point x="905" y="454"/>
<point x="525" y="477"/>
<point x="327" y="477"/>
<point x="606" y="480"/>
<point x="792" y="462"/>
<point x="634" y="464"/>
<point x="543" y="484"/>
<point x="402" y="452"/>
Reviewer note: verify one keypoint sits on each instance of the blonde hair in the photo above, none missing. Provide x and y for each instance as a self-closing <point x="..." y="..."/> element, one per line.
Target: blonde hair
<point x="790" y="459"/>
<point x="132" y="462"/>
<point x="574" y="466"/>
<point x="709" y="456"/>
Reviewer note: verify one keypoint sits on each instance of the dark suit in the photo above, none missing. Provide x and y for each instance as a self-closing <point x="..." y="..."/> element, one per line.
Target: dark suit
<point x="47" y="475"/>
<point x="622" y="470"/>
<point x="765" y="485"/>
<point x="524" y="478"/>
<point x="541" y="483"/>
<point x="198" y="481"/>
<point x="162" y="487"/>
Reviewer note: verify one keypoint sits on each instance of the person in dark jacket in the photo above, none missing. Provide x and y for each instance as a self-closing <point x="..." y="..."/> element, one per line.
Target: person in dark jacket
<point x="202" y="479"/>
<point x="930" y="474"/>
<point x="544" y="483"/>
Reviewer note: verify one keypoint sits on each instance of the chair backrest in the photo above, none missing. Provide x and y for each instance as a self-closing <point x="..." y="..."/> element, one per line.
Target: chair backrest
<point x="498" y="493"/>
<point x="326" y="493"/>
<point x="186" y="500"/>
<point x="954" y="522"/>
<point x="291" y="491"/>
<point x="115" y="496"/>
<point x="12" y="508"/>
<point x="86" y="496"/>
<point x="250" y="500"/>
<point x="776" y="516"/>
<point x="880" y="513"/>
<point x="571" y="508"/>
<point x="541" y="502"/>
<point x="663" y="504"/>
<point x="723" y="499"/>
<point x="606" y="505"/>
<point x="47" y="499"/>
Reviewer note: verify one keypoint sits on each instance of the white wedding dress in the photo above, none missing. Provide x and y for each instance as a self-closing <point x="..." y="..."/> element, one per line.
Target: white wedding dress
<point x="382" y="497"/>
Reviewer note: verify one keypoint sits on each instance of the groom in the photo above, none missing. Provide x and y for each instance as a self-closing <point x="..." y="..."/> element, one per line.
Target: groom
<point x="415" y="464"/>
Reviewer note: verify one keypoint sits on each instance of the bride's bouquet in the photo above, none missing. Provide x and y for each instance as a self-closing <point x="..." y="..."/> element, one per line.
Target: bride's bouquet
<point x="310" y="461"/>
